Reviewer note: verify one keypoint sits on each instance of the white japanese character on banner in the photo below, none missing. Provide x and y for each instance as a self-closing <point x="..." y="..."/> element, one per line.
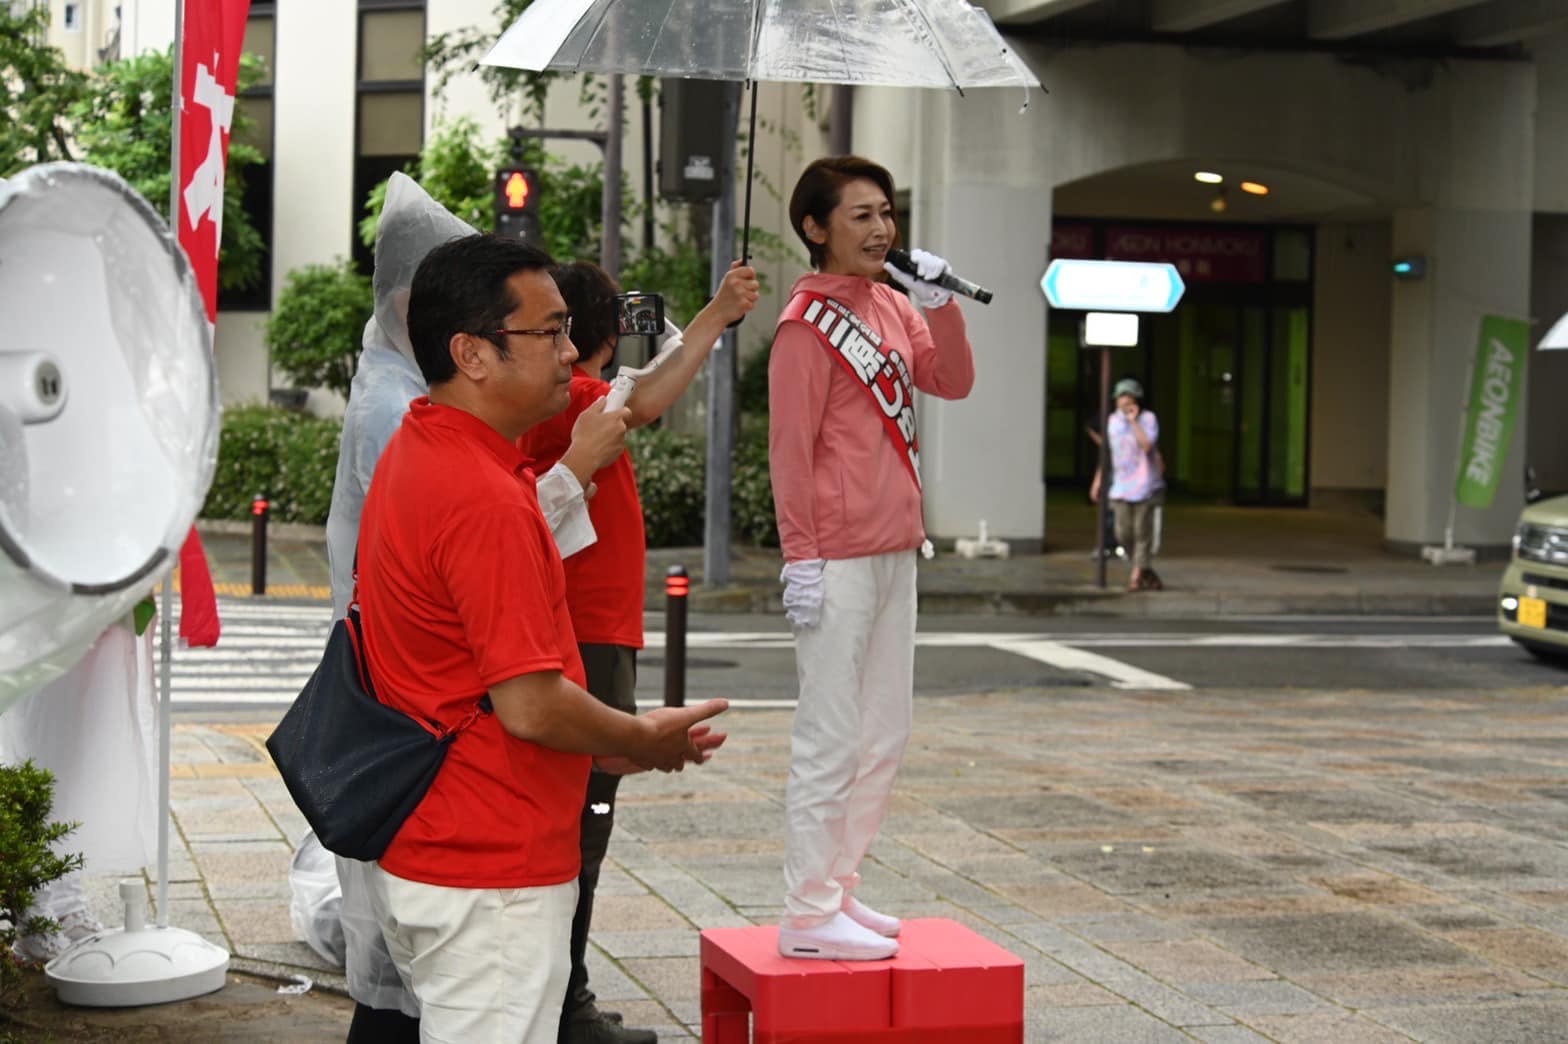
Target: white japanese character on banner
<point x="203" y="194"/>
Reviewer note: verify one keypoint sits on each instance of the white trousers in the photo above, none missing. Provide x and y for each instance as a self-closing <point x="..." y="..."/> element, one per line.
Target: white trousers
<point x="486" y="964"/>
<point x="856" y="671"/>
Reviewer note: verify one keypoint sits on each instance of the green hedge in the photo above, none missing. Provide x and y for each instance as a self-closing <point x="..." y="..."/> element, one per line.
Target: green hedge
<point x="670" y="474"/>
<point x="289" y="458"/>
<point x="671" y="477"/>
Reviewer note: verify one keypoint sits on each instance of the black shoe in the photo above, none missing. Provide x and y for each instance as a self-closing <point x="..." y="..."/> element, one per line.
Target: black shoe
<point x="605" y="1028"/>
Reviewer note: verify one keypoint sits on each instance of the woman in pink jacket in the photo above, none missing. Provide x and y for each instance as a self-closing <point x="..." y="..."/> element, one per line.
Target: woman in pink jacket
<point x="844" y="456"/>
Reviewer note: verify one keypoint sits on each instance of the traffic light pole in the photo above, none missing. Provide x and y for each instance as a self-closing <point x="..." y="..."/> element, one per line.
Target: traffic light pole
<point x="721" y="368"/>
<point x="610" y="145"/>
<point x="610" y="206"/>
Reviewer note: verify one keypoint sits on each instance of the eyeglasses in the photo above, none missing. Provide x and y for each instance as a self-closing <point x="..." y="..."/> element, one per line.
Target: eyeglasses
<point x="558" y="335"/>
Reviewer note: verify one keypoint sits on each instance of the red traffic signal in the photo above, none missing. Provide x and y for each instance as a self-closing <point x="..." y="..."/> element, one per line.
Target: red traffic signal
<point x="515" y="190"/>
<point x="517" y="203"/>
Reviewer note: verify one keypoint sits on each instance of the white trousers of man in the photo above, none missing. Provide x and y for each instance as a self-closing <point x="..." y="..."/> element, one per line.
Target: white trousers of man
<point x="486" y="964"/>
<point x="856" y="670"/>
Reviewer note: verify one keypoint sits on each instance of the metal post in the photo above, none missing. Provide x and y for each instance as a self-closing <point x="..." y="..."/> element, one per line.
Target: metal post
<point x="259" y="511"/>
<point x="610" y="251"/>
<point x="166" y="624"/>
<point x="165" y="731"/>
<point x="841" y="120"/>
<point x="1105" y="465"/>
<point x="677" y="590"/>
<point x="721" y="371"/>
<point x="647" y="172"/>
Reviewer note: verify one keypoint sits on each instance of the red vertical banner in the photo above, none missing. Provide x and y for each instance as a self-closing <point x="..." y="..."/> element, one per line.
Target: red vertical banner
<point x="212" y="39"/>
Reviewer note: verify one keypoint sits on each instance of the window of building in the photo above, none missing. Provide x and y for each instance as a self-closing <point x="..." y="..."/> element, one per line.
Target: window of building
<point x="255" y="105"/>
<point x="389" y="118"/>
<point x="71" y="21"/>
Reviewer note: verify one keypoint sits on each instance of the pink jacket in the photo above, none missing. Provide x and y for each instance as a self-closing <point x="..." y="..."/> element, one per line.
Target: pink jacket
<point x="841" y="488"/>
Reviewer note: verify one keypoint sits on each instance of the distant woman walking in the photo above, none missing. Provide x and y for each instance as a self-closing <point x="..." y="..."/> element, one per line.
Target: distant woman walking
<point x="1137" y="480"/>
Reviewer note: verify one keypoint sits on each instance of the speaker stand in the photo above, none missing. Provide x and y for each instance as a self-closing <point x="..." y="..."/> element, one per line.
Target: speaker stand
<point x="136" y="965"/>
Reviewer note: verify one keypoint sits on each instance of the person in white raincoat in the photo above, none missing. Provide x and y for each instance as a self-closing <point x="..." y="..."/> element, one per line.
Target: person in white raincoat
<point x="386" y="381"/>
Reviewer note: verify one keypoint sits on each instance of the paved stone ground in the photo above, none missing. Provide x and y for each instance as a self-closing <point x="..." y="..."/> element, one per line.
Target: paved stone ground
<point x="1225" y="867"/>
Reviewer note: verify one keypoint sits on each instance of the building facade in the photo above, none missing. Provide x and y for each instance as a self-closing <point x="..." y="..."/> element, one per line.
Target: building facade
<point x="1299" y="369"/>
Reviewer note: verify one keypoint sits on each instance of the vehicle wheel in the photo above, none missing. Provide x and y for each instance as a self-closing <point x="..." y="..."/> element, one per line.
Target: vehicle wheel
<point x="1545" y="653"/>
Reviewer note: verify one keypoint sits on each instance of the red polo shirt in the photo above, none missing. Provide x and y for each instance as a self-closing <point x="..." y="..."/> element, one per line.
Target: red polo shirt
<point x="460" y="587"/>
<point x="604" y="581"/>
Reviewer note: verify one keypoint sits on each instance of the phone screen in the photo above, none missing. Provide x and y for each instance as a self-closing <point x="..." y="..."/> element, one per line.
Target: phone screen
<point x="640" y="313"/>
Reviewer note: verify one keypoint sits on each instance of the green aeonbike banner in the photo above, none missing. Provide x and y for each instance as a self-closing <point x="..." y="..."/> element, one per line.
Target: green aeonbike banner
<point x="1496" y="386"/>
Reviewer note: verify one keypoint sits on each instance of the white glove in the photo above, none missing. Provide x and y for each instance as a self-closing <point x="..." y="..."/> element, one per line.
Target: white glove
<point x="926" y="294"/>
<point x="803" y="592"/>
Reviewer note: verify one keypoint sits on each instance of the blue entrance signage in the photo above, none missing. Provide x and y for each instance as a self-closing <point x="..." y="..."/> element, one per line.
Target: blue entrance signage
<point x="1112" y="286"/>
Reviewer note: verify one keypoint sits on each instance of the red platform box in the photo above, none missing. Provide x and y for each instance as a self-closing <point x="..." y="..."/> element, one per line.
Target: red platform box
<point x="946" y="985"/>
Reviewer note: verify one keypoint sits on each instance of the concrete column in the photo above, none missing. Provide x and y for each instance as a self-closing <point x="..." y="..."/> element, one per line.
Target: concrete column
<point x="313" y="149"/>
<point x="1478" y="263"/>
<point x="983" y="456"/>
<point x="980" y="196"/>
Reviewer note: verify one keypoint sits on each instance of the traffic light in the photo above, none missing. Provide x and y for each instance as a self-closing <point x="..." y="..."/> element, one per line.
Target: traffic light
<point x="517" y="203"/>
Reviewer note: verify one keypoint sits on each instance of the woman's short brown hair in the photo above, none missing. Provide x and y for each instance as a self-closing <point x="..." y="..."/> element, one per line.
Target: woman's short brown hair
<point x="820" y="188"/>
<point x="590" y="298"/>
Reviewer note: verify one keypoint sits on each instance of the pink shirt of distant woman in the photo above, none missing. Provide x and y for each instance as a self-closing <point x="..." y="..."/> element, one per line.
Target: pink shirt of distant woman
<point x="841" y="488"/>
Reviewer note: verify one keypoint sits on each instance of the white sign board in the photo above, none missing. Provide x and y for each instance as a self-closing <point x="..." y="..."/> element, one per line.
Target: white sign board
<point x="1112" y="286"/>
<point x="1110" y="330"/>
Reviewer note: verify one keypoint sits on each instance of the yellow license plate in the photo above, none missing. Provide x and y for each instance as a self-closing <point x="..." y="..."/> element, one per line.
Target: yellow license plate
<point x="1532" y="612"/>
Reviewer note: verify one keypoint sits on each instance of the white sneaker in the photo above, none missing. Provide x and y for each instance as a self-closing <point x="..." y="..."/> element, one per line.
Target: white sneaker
<point x="866" y="917"/>
<point x="836" y="939"/>
<point x="74" y="927"/>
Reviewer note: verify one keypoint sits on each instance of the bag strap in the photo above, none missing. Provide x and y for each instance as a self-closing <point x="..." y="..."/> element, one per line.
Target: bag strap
<point x="356" y="629"/>
<point x="481" y="707"/>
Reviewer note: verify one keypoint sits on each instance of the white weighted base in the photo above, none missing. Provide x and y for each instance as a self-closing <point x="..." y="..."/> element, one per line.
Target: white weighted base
<point x="135" y="965"/>
<point x="120" y="968"/>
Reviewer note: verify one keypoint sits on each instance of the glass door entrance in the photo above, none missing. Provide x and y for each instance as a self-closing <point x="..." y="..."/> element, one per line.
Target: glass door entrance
<point x="1233" y="377"/>
<point x="1228" y="380"/>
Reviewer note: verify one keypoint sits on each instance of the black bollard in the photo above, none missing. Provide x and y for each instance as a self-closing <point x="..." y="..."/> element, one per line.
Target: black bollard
<point x="677" y="588"/>
<point x="259" y="510"/>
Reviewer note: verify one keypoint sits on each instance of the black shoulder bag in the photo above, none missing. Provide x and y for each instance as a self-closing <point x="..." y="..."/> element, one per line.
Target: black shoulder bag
<point x="356" y="767"/>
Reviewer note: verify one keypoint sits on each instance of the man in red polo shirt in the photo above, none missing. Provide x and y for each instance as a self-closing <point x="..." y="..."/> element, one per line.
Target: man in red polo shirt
<point x="462" y="594"/>
<point x="604" y="582"/>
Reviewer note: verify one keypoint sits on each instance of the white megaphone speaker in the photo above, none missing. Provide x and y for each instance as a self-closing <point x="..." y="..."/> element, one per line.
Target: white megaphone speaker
<point x="109" y="413"/>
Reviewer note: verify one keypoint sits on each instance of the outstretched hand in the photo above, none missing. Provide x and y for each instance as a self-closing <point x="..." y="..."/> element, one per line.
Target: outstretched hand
<point x="703" y="736"/>
<point x="676" y="737"/>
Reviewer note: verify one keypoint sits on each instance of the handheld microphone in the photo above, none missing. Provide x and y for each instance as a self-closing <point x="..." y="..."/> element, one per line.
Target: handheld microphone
<point x="901" y="260"/>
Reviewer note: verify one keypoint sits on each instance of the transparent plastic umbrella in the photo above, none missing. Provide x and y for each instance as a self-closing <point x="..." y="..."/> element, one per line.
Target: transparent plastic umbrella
<point x="889" y="43"/>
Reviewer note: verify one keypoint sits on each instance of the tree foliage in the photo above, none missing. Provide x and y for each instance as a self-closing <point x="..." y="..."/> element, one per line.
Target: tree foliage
<point x="37" y="89"/>
<point x="314" y="333"/>
<point x="123" y="123"/>
<point x="456" y="167"/>
<point x="28" y="860"/>
<point x="457" y="53"/>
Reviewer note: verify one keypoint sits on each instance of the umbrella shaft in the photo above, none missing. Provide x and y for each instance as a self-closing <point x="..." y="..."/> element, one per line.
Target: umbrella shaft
<point x="751" y="159"/>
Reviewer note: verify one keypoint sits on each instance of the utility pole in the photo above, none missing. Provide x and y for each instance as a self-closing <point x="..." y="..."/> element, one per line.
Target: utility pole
<point x="721" y="368"/>
<point x="610" y="207"/>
